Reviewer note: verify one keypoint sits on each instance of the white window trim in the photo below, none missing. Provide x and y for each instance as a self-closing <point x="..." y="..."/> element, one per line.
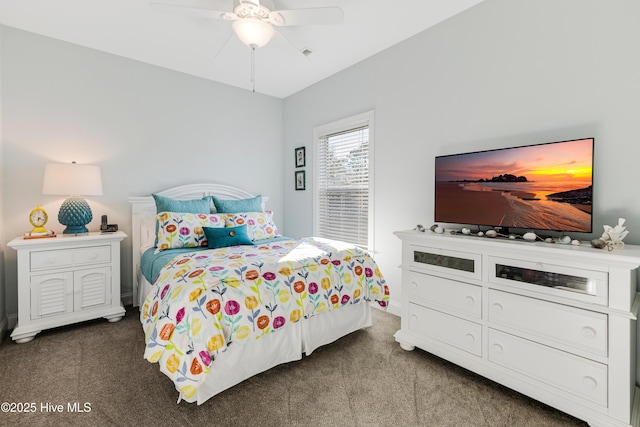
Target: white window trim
<point x="359" y="120"/>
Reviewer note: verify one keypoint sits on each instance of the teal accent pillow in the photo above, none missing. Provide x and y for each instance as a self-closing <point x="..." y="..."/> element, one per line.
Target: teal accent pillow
<point x="234" y="206"/>
<point x="227" y="236"/>
<point x="195" y="206"/>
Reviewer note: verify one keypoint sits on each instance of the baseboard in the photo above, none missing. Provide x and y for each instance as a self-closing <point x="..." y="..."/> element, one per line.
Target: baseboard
<point x="127" y="298"/>
<point x="3" y="328"/>
<point x="12" y="321"/>
<point x="394" y="308"/>
<point x="635" y="413"/>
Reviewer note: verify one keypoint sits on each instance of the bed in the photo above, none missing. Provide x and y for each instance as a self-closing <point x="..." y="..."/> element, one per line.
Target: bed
<point x="214" y="317"/>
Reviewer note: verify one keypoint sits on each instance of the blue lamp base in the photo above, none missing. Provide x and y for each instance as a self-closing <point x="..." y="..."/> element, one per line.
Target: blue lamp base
<point x="75" y="213"/>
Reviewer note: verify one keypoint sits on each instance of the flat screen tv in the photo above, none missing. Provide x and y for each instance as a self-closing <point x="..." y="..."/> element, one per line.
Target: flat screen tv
<point x="534" y="187"/>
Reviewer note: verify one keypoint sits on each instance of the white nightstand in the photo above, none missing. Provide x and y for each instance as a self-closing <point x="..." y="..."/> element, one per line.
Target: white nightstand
<point x="67" y="279"/>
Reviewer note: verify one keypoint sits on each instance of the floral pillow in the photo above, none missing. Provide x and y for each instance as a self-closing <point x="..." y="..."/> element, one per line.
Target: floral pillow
<point x="260" y="225"/>
<point x="185" y="230"/>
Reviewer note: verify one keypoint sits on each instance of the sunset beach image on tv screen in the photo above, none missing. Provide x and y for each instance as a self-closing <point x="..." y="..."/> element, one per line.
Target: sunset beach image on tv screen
<point x="536" y="187"/>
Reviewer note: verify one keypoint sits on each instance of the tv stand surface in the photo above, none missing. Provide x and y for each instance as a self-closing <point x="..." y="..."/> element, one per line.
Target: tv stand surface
<point x="554" y="322"/>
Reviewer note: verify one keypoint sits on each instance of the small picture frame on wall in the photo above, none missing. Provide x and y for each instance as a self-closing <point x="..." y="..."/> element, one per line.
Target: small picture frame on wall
<point x="300" y="157"/>
<point x="300" y="180"/>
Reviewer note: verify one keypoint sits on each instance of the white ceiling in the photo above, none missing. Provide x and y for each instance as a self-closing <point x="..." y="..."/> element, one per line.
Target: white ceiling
<point x="207" y="47"/>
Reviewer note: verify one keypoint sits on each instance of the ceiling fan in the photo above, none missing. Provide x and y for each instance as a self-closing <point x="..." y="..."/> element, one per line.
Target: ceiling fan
<point x="254" y="20"/>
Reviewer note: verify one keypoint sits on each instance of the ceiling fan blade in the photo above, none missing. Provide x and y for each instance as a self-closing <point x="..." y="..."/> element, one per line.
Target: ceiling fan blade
<point x="312" y="16"/>
<point x="192" y="11"/>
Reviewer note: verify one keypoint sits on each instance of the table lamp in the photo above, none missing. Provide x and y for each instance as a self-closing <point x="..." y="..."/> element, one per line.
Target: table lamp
<point x="73" y="180"/>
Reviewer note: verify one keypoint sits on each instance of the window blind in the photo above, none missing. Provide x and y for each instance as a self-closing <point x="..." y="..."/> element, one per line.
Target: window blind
<point x="342" y="184"/>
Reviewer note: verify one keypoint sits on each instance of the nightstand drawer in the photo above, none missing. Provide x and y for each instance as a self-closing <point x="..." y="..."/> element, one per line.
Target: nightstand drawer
<point x="91" y="255"/>
<point x="51" y="259"/>
<point x="44" y="260"/>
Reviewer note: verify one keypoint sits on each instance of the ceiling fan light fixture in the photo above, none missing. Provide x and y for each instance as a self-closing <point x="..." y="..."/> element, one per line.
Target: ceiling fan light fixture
<point x="253" y="32"/>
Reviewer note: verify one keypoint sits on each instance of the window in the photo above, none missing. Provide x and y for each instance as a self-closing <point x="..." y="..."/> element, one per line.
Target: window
<point x="343" y="180"/>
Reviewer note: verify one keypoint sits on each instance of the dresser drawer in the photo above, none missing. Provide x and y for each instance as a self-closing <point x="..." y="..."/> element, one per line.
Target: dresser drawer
<point x="443" y="261"/>
<point x="91" y="255"/>
<point x="565" y="327"/>
<point x="51" y="259"/>
<point x="575" y="283"/>
<point x="572" y="374"/>
<point x="445" y="294"/>
<point x="451" y="330"/>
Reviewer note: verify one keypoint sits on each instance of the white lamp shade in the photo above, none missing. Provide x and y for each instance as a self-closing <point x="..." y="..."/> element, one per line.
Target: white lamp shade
<point x="253" y="32"/>
<point x="72" y="179"/>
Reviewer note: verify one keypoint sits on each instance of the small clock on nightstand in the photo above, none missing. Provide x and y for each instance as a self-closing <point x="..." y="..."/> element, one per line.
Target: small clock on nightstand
<point x="38" y="218"/>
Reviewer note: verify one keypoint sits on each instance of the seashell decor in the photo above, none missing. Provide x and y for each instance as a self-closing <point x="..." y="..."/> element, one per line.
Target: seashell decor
<point x="613" y="236"/>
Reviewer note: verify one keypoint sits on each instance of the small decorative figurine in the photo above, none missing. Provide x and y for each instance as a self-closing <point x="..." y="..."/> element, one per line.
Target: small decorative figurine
<point x="613" y="235"/>
<point x="529" y="236"/>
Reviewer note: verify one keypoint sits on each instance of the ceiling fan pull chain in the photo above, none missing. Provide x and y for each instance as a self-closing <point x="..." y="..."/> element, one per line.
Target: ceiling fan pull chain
<point x="253" y="68"/>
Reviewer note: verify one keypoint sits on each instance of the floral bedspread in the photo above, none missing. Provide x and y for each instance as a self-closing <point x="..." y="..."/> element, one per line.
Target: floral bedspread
<point x="205" y="301"/>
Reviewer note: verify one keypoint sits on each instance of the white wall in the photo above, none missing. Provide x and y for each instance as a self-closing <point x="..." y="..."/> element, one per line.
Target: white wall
<point x="504" y="73"/>
<point x="147" y="127"/>
<point x="3" y="304"/>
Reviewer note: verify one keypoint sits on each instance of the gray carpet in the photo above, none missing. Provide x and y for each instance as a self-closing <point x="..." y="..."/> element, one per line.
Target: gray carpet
<point x="364" y="379"/>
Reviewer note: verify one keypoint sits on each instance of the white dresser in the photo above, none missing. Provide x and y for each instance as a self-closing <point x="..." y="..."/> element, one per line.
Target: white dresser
<point x="67" y="279"/>
<point x="555" y="322"/>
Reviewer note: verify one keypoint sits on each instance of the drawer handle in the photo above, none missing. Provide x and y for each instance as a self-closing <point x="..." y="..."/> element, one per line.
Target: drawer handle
<point x="498" y="348"/>
<point x="497" y="307"/>
<point x="414" y="317"/>
<point x="469" y="299"/>
<point x="93" y="255"/>
<point x="414" y="285"/>
<point x="52" y="260"/>
<point x="589" y="382"/>
<point x="470" y="337"/>
<point x="588" y="332"/>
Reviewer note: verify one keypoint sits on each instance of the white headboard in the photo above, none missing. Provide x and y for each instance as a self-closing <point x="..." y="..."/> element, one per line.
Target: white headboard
<point x="143" y="216"/>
